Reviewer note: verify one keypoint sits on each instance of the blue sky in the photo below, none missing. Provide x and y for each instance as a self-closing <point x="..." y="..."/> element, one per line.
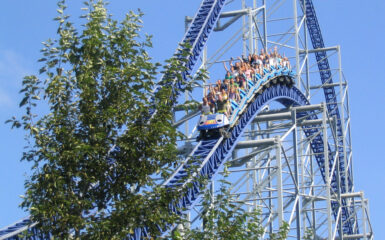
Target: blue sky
<point x="355" y="25"/>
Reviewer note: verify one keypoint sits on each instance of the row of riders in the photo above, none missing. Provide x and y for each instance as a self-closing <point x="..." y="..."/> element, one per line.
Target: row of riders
<point x="217" y="96"/>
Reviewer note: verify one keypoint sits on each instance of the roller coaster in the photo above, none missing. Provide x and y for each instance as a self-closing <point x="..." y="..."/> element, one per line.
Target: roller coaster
<point x="289" y="147"/>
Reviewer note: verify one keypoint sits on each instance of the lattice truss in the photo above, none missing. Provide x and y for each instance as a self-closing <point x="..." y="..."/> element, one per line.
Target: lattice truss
<point x="274" y="166"/>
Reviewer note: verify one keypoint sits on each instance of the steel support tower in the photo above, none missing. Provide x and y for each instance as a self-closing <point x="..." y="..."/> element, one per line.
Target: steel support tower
<point x="274" y="167"/>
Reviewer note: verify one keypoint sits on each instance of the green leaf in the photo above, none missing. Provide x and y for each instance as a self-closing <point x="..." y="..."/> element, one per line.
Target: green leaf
<point x="95" y="148"/>
<point x="24" y="101"/>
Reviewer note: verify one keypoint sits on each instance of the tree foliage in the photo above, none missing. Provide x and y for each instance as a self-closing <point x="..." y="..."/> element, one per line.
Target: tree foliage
<point x="106" y="134"/>
<point x="224" y="219"/>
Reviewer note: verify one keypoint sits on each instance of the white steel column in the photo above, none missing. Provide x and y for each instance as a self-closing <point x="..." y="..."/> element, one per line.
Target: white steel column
<point x="279" y="181"/>
<point x="264" y="25"/>
<point x="296" y="38"/>
<point x="327" y="173"/>
<point x="296" y="175"/>
<point x="251" y="32"/>
<point x="342" y="110"/>
<point x="244" y="44"/>
<point x="255" y="16"/>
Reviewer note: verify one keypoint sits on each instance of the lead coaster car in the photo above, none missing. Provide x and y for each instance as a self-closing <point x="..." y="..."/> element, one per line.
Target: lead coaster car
<point x="213" y="126"/>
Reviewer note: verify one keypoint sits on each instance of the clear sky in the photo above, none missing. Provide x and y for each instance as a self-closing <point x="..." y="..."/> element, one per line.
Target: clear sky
<point x="358" y="26"/>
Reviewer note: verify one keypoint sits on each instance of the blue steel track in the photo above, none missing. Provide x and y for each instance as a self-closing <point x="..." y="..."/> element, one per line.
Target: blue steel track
<point x="214" y="152"/>
<point x="326" y="78"/>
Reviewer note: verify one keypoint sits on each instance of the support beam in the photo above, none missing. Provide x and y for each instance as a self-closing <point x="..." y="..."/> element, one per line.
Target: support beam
<point x="305" y="108"/>
<point x="287" y="116"/>
<point x="327" y="176"/>
<point x="313" y="122"/>
<point x="279" y="183"/>
<point x="187" y="148"/>
<point x="358" y="236"/>
<point x="328" y="85"/>
<point x="255" y="143"/>
<point x="186" y="118"/>
<point x="335" y="48"/>
<point x="234" y="14"/>
<point x="352" y="195"/>
<point x="272" y="117"/>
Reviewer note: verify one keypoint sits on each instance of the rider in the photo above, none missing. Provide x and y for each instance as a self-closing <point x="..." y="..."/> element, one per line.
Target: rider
<point x="222" y="105"/>
<point x="205" y="107"/>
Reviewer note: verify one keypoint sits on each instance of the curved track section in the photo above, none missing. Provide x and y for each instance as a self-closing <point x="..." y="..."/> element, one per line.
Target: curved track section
<point x="201" y="27"/>
<point x="209" y="155"/>
<point x="197" y="35"/>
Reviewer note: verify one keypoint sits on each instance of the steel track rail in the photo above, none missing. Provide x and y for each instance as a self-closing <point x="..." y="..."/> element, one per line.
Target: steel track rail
<point x="211" y="154"/>
<point x="330" y="97"/>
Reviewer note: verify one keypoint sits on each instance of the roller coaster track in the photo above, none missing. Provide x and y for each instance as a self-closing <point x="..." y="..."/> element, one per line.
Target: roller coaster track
<point x="326" y="78"/>
<point x="331" y="101"/>
<point x="212" y="153"/>
<point x="197" y="35"/>
<point x="209" y="155"/>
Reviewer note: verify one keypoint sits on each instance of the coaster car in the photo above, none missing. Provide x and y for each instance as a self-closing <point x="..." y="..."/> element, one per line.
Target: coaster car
<point x="212" y="126"/>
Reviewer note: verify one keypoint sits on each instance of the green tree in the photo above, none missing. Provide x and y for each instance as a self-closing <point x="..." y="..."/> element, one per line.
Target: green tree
<point x="224" y="219"/>
<point x="309" y="234"/>
<point x="98" y="149"/>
